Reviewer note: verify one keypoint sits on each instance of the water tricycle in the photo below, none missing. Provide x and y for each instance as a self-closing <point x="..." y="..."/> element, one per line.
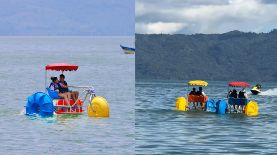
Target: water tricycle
<point x="193" y="101"/>
<point x="48" y="104"/>
<point x="232" y="105"/>
<point x="256" y="89"/>
<point x="241" y="104"/>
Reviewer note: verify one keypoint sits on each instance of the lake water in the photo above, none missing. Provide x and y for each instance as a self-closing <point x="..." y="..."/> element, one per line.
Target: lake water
<point x="101" y="64"/>
<point x="160" y="129"/>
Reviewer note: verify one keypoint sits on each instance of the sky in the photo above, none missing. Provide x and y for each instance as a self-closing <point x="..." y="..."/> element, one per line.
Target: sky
<point x="67" y="17"/>
<point x="205" y="16"/>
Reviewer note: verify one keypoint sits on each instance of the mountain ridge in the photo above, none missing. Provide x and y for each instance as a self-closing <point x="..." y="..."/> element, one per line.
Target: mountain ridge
<point x="232" y="56"/>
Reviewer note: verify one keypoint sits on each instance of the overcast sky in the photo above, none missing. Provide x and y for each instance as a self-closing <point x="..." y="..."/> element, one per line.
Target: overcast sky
<point x="67" y="17"/>
<point x="205" y="16"/>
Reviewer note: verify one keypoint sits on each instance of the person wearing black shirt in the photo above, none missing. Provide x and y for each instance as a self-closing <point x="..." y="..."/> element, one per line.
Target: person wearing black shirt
<point x="193" y="92"/>
<point x="64" y="88"/>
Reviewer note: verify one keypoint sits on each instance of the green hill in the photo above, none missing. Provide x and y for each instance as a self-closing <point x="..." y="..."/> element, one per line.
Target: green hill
<point x="230" y="56"/>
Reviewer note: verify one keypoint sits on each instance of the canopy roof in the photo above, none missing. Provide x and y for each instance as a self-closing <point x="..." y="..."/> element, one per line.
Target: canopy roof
<point x="197" y="83"/>
<point x="61" y="67"/>
<point x="238" y="84"/>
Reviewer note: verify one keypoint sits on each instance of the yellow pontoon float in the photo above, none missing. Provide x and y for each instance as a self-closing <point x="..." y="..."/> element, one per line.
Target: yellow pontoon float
<point x="194" y="99"/>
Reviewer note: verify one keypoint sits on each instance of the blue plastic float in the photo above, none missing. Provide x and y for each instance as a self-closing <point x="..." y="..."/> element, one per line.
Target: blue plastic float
<point x="41" y="104"/>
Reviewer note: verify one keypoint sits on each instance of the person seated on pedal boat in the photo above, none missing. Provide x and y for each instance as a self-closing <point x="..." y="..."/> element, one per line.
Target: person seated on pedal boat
<point x="193" y="92"/>
<point x="55" y="86"/>
<point x="242" y="94"/>
<point x="234" y="94"/>
<point x="229" y="93"/>
<point x="201" y="93"/>
<point x="64" y="87"/>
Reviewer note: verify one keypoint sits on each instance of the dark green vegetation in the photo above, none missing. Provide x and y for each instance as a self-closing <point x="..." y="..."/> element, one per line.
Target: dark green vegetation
<point x="230" y="56"/>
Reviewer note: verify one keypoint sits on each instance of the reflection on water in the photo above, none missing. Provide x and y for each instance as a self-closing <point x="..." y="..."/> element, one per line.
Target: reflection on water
<point x="160" y="129"/>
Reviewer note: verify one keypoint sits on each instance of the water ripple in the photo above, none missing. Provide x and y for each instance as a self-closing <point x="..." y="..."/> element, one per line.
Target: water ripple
<point x="102" y="64"/>
<point x="160" y="129"/>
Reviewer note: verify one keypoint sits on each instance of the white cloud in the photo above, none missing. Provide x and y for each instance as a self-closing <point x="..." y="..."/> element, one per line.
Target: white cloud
<point x="159" y="27"/>
<point x="207" y="17"/>
<point x="140" y="9"/>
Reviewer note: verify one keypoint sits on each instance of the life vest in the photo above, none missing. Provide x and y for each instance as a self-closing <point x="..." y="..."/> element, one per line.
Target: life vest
<point x="56" y="87"/>
<point x="241" y="94"/>
<point x="234" y="95"/>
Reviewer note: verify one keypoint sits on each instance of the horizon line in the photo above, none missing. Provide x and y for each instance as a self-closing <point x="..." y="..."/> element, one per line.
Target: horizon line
<point x="104" y="36"/>
<point x="161" y="33"/>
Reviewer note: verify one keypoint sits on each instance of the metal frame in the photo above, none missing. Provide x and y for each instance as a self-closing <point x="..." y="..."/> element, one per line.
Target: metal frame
<point x="45" y="81"/>
<point x="86" y="92"/>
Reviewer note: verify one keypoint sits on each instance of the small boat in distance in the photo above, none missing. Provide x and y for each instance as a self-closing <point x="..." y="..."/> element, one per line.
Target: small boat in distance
<point x="128" y="50"/>
<point x="256" y="89"/>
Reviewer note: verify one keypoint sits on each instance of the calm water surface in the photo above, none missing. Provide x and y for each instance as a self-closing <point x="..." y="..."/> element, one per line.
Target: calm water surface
<point x="160" y="129"/>
<point x="101" y="64"/>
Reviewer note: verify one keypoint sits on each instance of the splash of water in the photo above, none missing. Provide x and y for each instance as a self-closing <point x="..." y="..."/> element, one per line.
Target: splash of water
<point x="22" y="112"/>
<point x="270" y="92"/>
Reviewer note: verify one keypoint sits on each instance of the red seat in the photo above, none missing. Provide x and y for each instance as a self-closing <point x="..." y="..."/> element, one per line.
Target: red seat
<point x="196" y="98"/>
<point x="61" y="102"/>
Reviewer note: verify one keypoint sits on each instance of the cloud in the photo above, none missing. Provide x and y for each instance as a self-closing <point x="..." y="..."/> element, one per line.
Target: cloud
<point x="160" y="27"/>
<point x="269" y="1"/>
<point x="205" y="16"/>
